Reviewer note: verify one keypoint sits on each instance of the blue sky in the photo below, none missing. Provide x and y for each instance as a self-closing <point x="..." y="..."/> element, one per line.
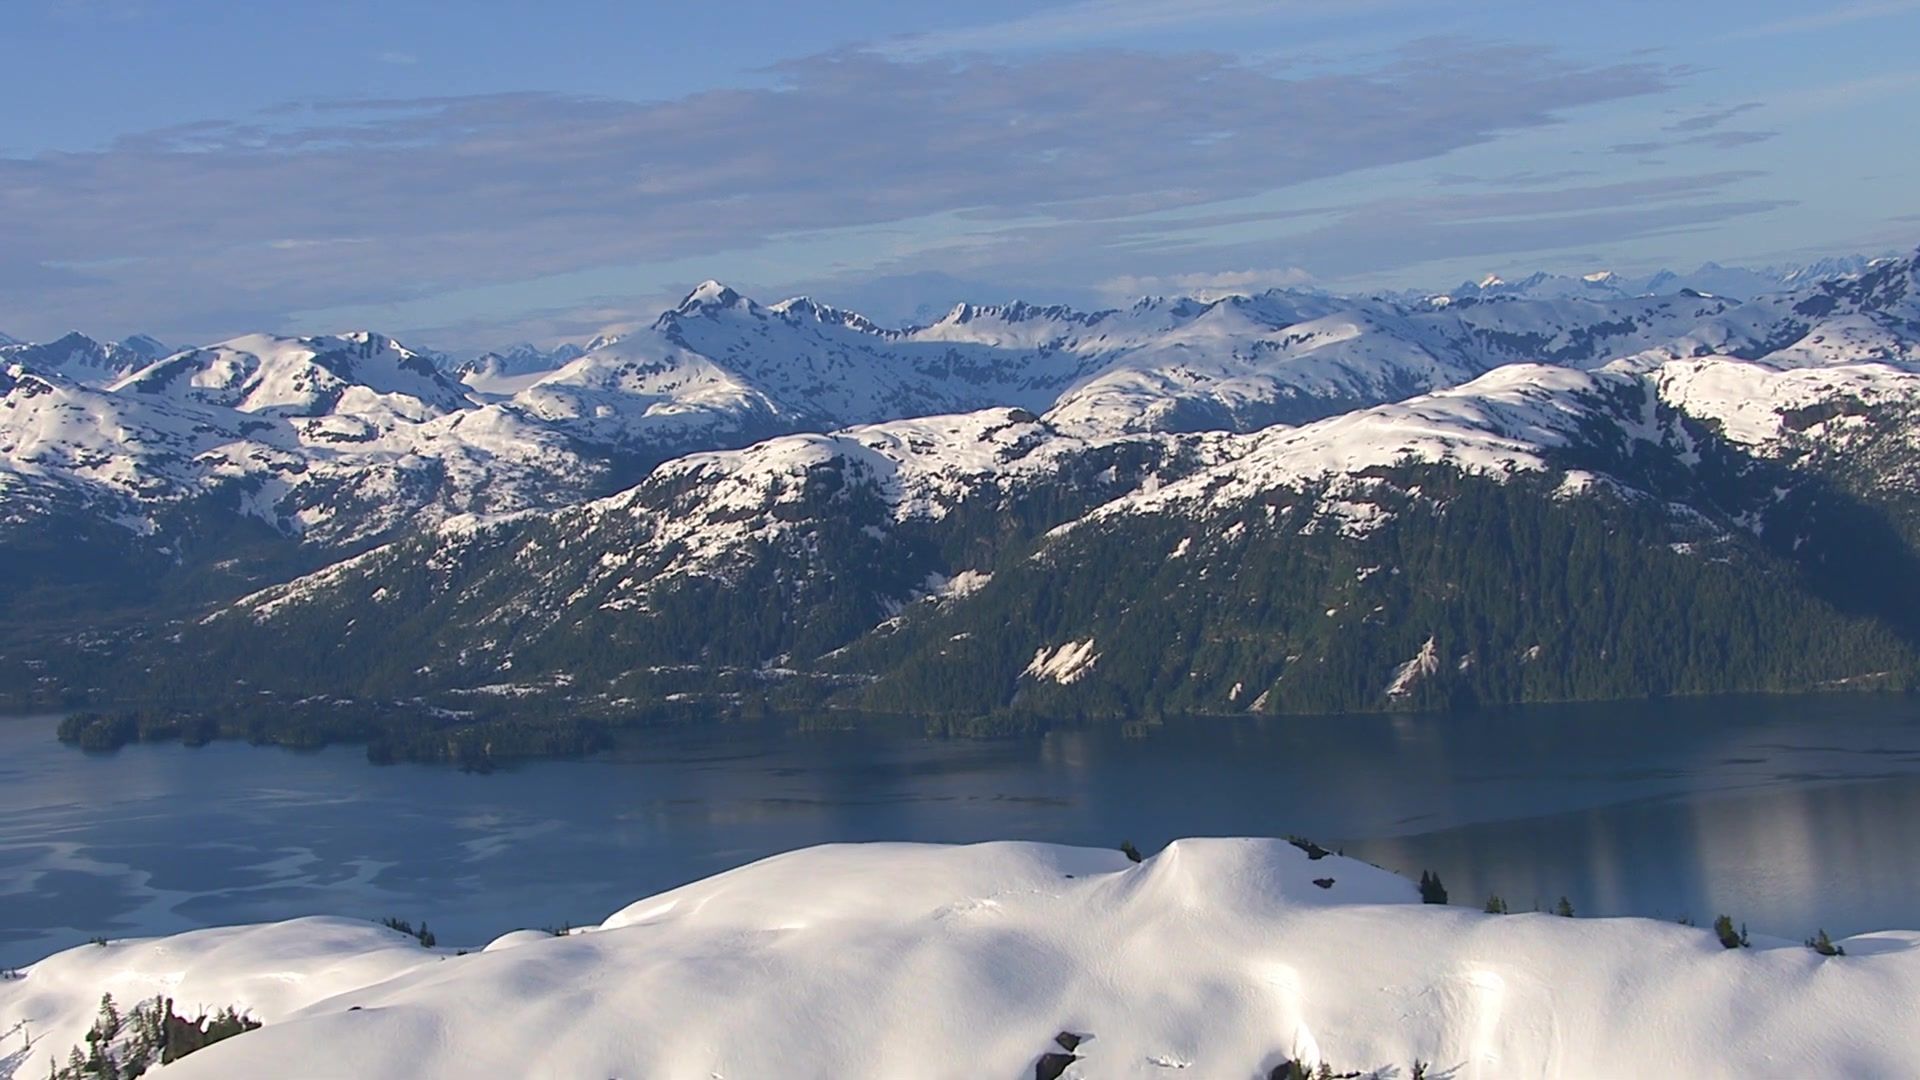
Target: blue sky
<point x="477" y="173"/>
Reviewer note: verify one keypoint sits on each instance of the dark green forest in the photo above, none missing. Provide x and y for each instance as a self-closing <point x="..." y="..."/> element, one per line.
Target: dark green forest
<point x="1725" y="574"/>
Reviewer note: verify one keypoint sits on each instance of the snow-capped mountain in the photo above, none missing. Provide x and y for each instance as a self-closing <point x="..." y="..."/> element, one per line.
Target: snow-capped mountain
<point x="313" y="376"/>
<point x="506" y="372"/>
<point x="720" y="370"/>
<point x="1747" y="283"/>
<point x="1540" y="285"/>
<point x="327" y="440"/>
<point x="1711" y="279"/>
<point x="139" y="456"/>
<point x="947" y="563"/>
<point x="892" y="486"/>
<point x="1519" y="418"/>
<point x="82" y="359"/>
<point x="842" y="528"/>
<point x="524" y="357"/>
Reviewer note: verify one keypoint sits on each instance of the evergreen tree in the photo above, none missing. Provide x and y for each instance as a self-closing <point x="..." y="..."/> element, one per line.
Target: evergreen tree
<point x="1723" y="929"/>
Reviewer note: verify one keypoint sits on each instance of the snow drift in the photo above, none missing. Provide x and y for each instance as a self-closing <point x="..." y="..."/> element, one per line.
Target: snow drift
<point x="1215" y="958"/>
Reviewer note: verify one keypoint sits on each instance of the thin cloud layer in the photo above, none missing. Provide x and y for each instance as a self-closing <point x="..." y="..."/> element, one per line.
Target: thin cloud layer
<point x="1102" y="20"/>
<point x="229" y="225"/>
<point x="1830" y="17"/>
<point x="1374" y="236"/>
<point x="1204" y="285"/>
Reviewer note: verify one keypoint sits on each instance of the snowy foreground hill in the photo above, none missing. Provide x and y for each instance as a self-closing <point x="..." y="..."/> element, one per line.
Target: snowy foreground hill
<point x="1212" y="959"/>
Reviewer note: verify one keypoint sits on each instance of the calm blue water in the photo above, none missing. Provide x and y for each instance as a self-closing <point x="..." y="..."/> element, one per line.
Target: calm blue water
<point x="1789" y="814"/>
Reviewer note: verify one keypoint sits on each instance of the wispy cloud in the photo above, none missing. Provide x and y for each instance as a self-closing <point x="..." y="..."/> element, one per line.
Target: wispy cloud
<point x="1085" y="21"/>
<point x="1204" y="284"/>
<point x="1347" y="244"/>
<point x="1712" y="118"/>
<point x="1850" y="92"/>
<point x="1700" y="128"/>
<point x="1716" y="140"/>
<point x="1092" y="264"/>
<point x="461" y="193"/>
<point x="289" y="244"/>
<point x="1830" y="18"/>
<point x="1525" y="178"/>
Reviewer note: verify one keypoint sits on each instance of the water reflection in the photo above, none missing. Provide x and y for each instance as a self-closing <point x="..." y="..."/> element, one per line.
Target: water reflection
<point x="1786" y="860"/>
<point x="1786" y="813"/>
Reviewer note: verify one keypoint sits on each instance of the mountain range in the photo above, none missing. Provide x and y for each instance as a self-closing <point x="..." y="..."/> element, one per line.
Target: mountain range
<point x="1291" y="501"/>
<point x="1711" y="279"/>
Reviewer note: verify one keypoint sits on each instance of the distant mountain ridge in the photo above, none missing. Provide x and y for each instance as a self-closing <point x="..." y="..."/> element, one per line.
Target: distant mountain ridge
<point x="1710" y="279"/>
<point x="792" y="488"/>
<point x="526" y="358"/>
<point x="79" y="357"/>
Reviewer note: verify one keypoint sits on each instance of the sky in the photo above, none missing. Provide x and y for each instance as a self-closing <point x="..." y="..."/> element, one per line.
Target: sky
<point x="469" y="175"/>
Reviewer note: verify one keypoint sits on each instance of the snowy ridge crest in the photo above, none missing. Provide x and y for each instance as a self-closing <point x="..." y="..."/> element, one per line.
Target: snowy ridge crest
<point x="1287" y="956"/>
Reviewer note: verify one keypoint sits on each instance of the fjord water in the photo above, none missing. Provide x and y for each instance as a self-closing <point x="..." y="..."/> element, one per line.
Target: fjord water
<point x="1789" y="814"/>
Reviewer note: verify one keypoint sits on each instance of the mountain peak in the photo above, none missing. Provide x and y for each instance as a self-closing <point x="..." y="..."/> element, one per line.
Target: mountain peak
<point x="144" y="345"/>
<point x="710" y="294"/>
<point x="805" y="307"/>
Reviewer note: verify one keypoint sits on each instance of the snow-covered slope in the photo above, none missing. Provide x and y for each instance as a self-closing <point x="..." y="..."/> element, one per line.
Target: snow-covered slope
<point x="353" y="373"/>
<point x="507" y="372"/>
<point x="367" y="464"/>
<point x="1239" y="363"/>
<point x="1767" y="408"/>
<point x="723" y="364"/>
<point x="82" y="359"/>
<point x="841" y="531"/>
<point x="345" y="440"/>
<point x="837" y="529"/>
<point x="1603" y="285"/>
<point x="1514" y="419"/>
<point x="1213" y="958"/>
<point x="721" y="370"/>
